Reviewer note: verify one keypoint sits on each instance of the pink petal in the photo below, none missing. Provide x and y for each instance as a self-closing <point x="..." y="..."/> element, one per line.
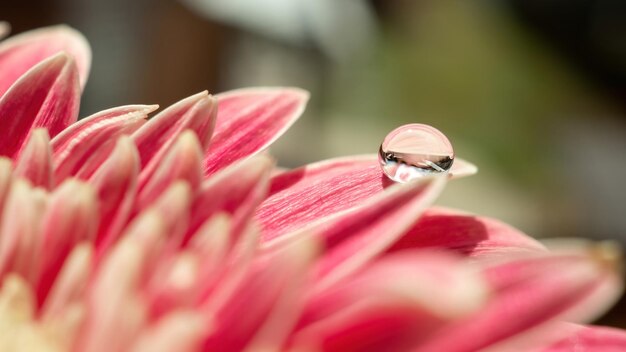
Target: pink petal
<point x="211" y="241"/>
<point x="70" y="286"/>
<point x="46" y="96"/>
<point x="249" y="120"/>
<point x="172" y="284"/>
<point x="217" y="286"/>
<point x="115" y="314"/>
<point x="268" y="296"/>
<point x="35" y="162"/>
<point x="390" y="305"/>
<point x="20" y="228"/>
<point x="301" y="196"/>
<point x="71" y="217"/>
<point x="173" y="206"/>
<point x="183" y="161"/>
<point x="116" y="185"/>
<point x="236" y="191"/>
<point x="531" y="291"/>
<point x="178" y="331"/>
<point x="196" y="113"/>
<point x="81" y="148"/>
<point x="20" y="53"/>
<point x="591" y="339"/>
<point x="305" y="195"/>
<point x="468" y="234"/>
<point x="355" y="237"/>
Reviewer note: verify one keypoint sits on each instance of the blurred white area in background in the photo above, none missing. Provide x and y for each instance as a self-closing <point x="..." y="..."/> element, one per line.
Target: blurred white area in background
<point x="338" y="28"/>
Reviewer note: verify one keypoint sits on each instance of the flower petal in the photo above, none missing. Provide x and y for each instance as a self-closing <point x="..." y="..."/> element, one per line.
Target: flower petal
<point x="351" y="238"/>
<point x="20" y="228"/>
<point x="591" y="338"/>
<point x="465" y="233"/>
<point x="81" y="148"/>
<point x="531" y="292"/>
<point x="183" y="161"/>
<point x="313" y="192"/>
<point x="179" y="331"/>
<point x="307" y="194"/>
<point x="390" y="305"/>
<point x="35" y="162"/>
<point x="249" y="120"/>
<point x="196" y="113"/>
<point x="115" y="312"/>
<point x="69" y="287"/>
<point x="46" y="96"/>
<point x="70" y="218"/>
<point x="115" y="183"/>
<point x="462" y="168"/>
<point x="20" y="53"/>
<point x="235" y="191"/>
<point x="173" y="206"/>
<point x="272" y="286"/>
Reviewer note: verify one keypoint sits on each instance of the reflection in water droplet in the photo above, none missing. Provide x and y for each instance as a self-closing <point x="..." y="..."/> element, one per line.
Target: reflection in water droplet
<point x="413" y="151"/>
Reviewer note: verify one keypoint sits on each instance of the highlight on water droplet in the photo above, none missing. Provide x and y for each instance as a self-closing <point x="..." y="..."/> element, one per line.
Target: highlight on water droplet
<point x="413" y="151"/>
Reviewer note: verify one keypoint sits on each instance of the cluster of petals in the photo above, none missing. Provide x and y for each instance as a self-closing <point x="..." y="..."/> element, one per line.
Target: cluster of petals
<point x="176" y="232"/>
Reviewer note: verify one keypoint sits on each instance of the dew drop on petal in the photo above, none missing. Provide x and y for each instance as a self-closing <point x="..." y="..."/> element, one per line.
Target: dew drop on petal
<point x="413" y="151"/>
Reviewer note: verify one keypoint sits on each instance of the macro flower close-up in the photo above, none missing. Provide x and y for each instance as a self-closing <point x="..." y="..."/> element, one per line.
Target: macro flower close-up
<point x="147" y="228"/>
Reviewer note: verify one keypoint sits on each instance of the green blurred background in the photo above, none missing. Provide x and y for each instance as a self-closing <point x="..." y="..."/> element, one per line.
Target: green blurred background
<point x="531" y="91"/>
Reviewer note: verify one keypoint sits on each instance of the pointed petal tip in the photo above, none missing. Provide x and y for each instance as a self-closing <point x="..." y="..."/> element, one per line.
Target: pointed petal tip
<point x="462" y="168"/>
<point x="203" y="96"/>
<point x="608" y="256"/>
<point x="150" y="108"/>
<point x="35" y="160"/>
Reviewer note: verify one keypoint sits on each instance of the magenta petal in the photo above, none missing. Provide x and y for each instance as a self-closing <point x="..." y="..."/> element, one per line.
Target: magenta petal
<point x="46" y="96"/>
<point x="468" y="234"/>
<point x="35" y="162"/>
<point x="531" y="291"/>
<point x="20" y="53"/>
<point x="249" y="120"/>
<point x="81" y="148"/>
<point x="591" y="339"/>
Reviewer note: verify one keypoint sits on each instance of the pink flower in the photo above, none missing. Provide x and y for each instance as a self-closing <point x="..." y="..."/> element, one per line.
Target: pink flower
<point x="119" y="233"/>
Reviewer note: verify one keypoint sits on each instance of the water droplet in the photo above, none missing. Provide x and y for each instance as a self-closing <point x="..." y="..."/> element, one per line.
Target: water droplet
<point x="413" y="151"/>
